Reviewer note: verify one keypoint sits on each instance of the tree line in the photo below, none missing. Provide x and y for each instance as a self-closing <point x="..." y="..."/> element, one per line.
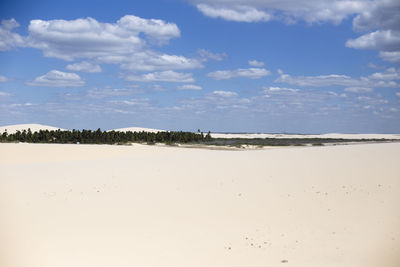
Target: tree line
<point x="103" y="137"/>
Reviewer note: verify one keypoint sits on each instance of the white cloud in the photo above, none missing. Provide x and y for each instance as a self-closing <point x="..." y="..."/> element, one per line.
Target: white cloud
<point x="289" y="11"/>
<point x="383" y="20"/>
<point x="4" y="94"/>
<point x="256" y="63"/>
<point x="206" y="55"/>
<point x="3" y="79"/>
<point x="8" y="39"/>
<point x="238" y="13"/>
<point x="157" y="87"/>
<point x="131" y="106"/>
<point x="27" y="104"/>
<point x="139" y="102"/>
<point x="224" y="93"/>
<point x="379" y="79"/>
<point x="358" y="89"/>
<point x="385" y="40"/>
<point x="189" y="87"/>
<point x="393" y="56"/>
<point x="380" y="17"/>
<point x="84" y="66"/>
<point x="55" y="78"/>
<point x="372" y="101"/>
<point x="252" y="73"/>
<point x="151" y="61"/>
<point x="280" y="89"/>
<point x="398" y="94"/>
<point x="163" y="76"/>
<point x="109" y="92"/>
<point x="88" y="38"/>
<point x="127" y="42"/>
<point x="389" y="75"/>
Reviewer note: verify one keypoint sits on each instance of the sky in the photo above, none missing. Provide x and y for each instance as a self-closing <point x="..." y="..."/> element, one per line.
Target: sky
<point x="287" y="66"/>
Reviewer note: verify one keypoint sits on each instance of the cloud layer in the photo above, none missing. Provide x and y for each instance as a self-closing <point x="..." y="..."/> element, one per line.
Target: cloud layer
<point x="251" y="73"/>
<point x="3" y="79"/>
<point x="84" y="66"/>
<point x="163" y="76"/>
<point x="55" y="78"/>
<point x="129" y="42"/>
<point x="289" y="11"/>
<point x="385" y="79"/>
<point x="379" y="20"/>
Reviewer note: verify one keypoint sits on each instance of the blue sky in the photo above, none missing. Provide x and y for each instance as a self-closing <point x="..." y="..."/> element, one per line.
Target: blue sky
<point x="223" y="65"/>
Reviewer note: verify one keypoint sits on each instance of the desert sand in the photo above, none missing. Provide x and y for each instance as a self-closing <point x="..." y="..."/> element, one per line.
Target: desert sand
<point x="138" y="129"/>
<point x="34" y="128"/>
<point x="329" y="135"/>
<point x="152" y="206"/>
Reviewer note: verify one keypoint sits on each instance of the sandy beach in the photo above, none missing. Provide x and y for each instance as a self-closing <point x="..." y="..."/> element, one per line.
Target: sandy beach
<point x="152" y="206"/>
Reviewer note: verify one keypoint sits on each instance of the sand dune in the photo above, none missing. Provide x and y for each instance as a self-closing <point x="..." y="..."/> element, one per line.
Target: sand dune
<point x="151" y="206"/>
<point x="37" y="127"/>
<point x="331" y="135"/>
<point x="137" y="129"/>
<point x="34" y="128"/>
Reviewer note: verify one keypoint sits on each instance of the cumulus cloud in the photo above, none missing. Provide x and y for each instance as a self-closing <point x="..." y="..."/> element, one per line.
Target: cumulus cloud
<point x="289" y="11"/>
<point x="379" y="79"/>
<point x="358" y="89"/>
<point x="256" y="63"/>
<point x="251" y="73"/>
<point x="3" y="79"/>
<point x="9" y="39"/>
<point x="138" y="102"/>
<point x="385" y="40"/>
<point x="393" y="56"/>
<point x="189" y="87"/>
<point x="151" y="61"/>
<point x="163" y="76"/>
<point x="206" y="55"/>
<point x="224" y="93"/>
<point x="109" y="92"/>
<point x="388" y="75"/>
<point x="128" y="42"/>
<point x="382" y="19"/>
<point x="398" y="94"/>
<point x="4" y="94"/>
<point x="279" y="89"/>
<point x="240" y="13"/>
<point x="55" y="78"/>
<point x="84" y="66"/>
<point x="378" y="19"/>
<point x="378" y="15"/>
<point x="27" y="104"/>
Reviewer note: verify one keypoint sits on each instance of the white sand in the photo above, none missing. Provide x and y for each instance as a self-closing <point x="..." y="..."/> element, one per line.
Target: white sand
<point x="137" y="129"/>
<point x="330" y="135"/>
<point x="124" y="206"/>
<point x="34" y="128"/>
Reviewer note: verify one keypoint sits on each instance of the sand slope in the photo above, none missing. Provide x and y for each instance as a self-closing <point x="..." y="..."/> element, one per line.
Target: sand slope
<point x="34" y="128"/>
<point x="331" y="135"/>
<point x="137" y="129"/>
<point x="149" y="206"/>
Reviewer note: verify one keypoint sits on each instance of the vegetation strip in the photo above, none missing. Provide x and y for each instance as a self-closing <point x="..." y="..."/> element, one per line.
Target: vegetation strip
<point x="103" y="137"/>
<point x="118" y="137"/>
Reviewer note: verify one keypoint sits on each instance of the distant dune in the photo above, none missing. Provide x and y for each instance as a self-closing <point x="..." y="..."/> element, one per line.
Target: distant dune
<point x="330" y="135"/>
<point x="37" y="127"/>
<point x="137" y="129"/>
<point x="34" y="128"/>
